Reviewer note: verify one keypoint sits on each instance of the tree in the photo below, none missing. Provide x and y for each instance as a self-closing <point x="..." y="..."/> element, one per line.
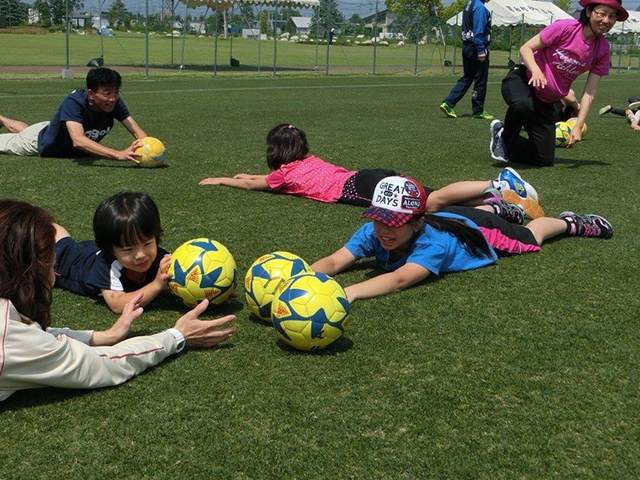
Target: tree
<point x="58" y="9"/>
<point x="325" y="17"/>
<point x="44" y="12"/>
<point x="426" y="8"/>
<point x="13" y="12"/>
<point x="564" y="5"/>
<point x="118" y="15"/>
<point x="356" y="26"/>
<point x="455" y="8"/>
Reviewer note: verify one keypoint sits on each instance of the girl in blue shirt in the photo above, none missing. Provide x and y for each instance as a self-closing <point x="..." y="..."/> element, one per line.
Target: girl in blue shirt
<point x="410" y="246"/>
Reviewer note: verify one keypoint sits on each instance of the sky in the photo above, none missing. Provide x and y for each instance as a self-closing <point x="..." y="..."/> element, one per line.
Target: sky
<point x="347" y="7"/>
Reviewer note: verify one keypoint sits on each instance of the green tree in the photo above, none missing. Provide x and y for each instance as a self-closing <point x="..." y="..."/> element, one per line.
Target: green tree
<point x="355" y="26"/>
<point x="118" y="15"/>
<point x="13" y="12"/>
<point x="58" y="9"/>
<point x="325" y="17"/>
<point x="564" y="5"/>
<point x="44" y="12"/>
<point x="264" y="22"/>
<point x="455" y="8"/>
<point x="426" y="8"/>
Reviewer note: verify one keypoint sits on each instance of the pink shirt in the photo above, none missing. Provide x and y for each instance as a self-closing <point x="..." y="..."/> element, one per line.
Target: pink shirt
<point x="566" y="56"/>
<point x="310" y="178"/>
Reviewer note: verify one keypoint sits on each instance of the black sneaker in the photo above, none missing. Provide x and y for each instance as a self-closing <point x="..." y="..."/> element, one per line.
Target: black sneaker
<point x="510" y="212"/>
<point x="587" y="225"/>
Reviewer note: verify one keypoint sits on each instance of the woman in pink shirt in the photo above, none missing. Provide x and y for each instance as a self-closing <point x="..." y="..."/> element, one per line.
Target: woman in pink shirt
<point x="552" y="60"/>
<point x="295" y="172"/>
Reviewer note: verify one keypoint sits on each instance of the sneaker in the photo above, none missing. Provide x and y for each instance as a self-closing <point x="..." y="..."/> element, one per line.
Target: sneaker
<point x="605" y="109"/>
<point x="447" y="110"/>
<point x="587" y="225"/>
<point x="510" y="212"/>
<point x="483" y="116"/>
<point x="509" y="179"/>
<point x="496" y="147"/>
<point x="634" y="106"/>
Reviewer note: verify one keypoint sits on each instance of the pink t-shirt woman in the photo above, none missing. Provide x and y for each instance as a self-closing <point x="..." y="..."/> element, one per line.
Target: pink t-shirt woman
<point x="566" y="56"/>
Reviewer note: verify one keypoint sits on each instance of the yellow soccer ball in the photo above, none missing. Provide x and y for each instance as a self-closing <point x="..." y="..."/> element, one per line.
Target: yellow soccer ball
<point x="152" y="152"/>
<point x="202" y="269"/>
<point x="265" y="275"/>
<point x="310" y="311"/>
<point x="563" y="131"/>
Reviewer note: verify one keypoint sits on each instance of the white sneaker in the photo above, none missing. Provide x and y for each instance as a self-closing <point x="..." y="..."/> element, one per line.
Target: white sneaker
<point x="605" y="109"/>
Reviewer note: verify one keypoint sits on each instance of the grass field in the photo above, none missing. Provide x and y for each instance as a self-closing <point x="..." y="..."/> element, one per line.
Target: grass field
<point x="527" y="369"/>
<point x="196" y="55"/>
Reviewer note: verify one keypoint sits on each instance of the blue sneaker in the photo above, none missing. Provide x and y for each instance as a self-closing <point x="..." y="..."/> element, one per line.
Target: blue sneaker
<point x="496" y="147"/>
<point x="509" y="179"/>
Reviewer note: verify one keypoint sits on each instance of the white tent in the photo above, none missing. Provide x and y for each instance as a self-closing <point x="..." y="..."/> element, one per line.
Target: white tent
<point x="517" y="12"/>
<point x="631" y="25"/>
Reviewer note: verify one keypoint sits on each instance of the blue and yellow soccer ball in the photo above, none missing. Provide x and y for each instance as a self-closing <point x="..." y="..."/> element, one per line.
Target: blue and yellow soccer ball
<point x="310" y="311"/>
<point x="202" y="269"/>
<point x="563" y="131"/>
<point x="152" y="152"/>
<point x="264" y="276"/>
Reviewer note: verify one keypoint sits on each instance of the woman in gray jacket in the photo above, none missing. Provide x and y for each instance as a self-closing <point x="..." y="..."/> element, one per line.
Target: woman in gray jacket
<point x="34" y="355"/>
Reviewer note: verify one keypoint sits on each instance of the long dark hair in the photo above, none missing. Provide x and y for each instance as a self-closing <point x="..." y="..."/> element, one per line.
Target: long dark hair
<point x="124" y="219"/>
<point x="27" y="254"/>
<point x="285" y="144"/>
<point x="584" y="18"/>
<point x="472" y="239"/>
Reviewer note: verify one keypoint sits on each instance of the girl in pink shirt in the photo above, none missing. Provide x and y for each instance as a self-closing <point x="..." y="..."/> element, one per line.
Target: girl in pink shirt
<point x="552" y="60"/>
<point x="295" y="172"/>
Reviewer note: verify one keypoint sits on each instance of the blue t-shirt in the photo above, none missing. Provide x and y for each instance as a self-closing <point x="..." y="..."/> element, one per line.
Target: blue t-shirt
<point x="54" y="140"/>
<point x="437" y="251"/>
<point x="84" y="269"/>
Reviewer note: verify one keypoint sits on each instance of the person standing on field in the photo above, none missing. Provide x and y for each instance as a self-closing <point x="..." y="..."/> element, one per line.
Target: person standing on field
<point x="476" y="36"/>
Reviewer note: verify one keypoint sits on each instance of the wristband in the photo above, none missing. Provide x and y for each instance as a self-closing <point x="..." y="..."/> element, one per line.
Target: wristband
<point x="180" y="341"/>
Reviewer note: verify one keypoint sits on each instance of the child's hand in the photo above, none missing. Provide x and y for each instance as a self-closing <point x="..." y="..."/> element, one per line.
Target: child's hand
<point x="163" y="276"/>
<point x="212" y="181"/>
<point x="122" y="327"/>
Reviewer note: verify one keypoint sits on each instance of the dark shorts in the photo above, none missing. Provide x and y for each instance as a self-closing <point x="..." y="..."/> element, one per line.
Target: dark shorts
<point x="360" y="187"/>
<point x="503" y="236"/>
<point x="73" y="260"/>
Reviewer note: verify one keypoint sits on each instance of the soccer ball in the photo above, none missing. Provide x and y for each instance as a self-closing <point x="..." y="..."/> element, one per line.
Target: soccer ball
<point x="202" y="268"/>
<point x="309" y="311"/>
<point x="264" y="276"/>
<point x="563" y="131"/>
<point x="572" y="122"/>
<point x="152" y="152"/>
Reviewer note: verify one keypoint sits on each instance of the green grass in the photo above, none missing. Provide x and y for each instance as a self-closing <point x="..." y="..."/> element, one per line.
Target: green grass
<point x="527" y="369"/>
<point x="197" y="54"/>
